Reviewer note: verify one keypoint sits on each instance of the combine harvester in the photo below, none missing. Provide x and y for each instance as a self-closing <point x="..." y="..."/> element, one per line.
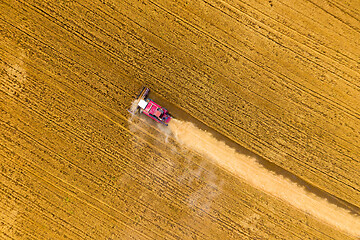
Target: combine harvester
<point x="150" y="108"/>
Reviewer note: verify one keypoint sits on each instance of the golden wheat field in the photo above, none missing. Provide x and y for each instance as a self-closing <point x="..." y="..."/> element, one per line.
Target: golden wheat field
<point x="265" y="140"/>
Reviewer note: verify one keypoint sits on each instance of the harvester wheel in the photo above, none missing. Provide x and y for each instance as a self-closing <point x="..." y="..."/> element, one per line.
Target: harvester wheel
<point x="141" y="110"/>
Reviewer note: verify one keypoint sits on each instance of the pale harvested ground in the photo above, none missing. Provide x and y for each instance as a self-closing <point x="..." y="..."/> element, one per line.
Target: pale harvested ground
<point x="248" y="169"/>
<point x="278" y="77"/>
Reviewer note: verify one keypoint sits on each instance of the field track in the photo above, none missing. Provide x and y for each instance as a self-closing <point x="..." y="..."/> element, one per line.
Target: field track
<point x="280" y="78"/>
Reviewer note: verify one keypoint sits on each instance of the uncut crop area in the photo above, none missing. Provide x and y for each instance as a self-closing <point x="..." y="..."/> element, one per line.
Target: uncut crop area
<point x="280" y="78"/>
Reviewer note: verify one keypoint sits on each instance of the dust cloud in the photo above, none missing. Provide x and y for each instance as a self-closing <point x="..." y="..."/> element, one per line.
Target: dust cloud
<point x="133" y="106"/>
<point x="252" y="172"/>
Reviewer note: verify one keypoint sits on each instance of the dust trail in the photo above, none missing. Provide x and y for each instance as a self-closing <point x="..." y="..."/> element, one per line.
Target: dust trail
<point x="248" y="169"/>
<point x="134" y="106"/>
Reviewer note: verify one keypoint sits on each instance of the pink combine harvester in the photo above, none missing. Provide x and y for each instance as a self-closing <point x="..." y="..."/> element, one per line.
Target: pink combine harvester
<point x="150" y="108"/>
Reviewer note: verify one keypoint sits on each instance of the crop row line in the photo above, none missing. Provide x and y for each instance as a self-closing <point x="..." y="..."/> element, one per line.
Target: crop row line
<point x="308" y="17"/>
<point x="40" y="210"/>
<point x="47" y="173"/>
<point x="14" y="219"/>
<point x="235" y="176"/>
<point x="334" y="16"/>
<point x="40" y="195"/>
<point x="293" y="127"/>
<point x="229" y="10"/>
<point x="345" y="140"/>
<point x="106" y="153"/>
<point x="37" y="107"/>
<point x="341" y="7"/>
<point x="75" y="193"/>
<point x="301" y="34"/>
<point x="271" y="71"/>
